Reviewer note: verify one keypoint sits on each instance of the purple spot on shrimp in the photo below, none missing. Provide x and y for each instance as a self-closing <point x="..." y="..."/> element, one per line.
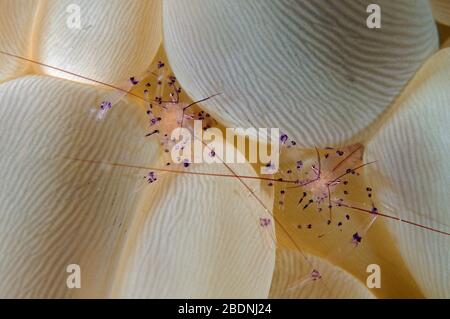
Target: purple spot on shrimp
<point x="264" y="222"/>
<point x="315" y="274"/>
<point x="356" y="238"/>
<point x="105" y="105"/>
<point x="151" y="177"/>
<point x="133" y="80"/>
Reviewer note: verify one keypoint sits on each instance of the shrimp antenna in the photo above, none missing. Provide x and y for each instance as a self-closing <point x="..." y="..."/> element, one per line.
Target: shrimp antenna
<point x="199" y="101"/>
<point x="193" y="103"/>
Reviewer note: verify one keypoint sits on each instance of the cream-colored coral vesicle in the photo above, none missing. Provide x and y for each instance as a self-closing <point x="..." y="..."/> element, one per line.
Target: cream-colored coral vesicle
<point x="291" y="279"/>
<point x="16" y="25"/>
<point x="311" y="68"/>
<point x="115" y="40"/>
<point x="201" y="237"/>
<point x="412" y="149"/>
<point x="441" y="10"/>
<point x="54" y="210"/>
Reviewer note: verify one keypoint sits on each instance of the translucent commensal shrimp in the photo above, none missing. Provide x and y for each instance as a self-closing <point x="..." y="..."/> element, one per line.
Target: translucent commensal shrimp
<point x="323" y="182"/>
<point x="166" y="107"/>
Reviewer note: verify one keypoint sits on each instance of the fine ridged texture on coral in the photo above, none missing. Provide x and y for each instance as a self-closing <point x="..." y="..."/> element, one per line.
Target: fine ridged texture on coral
<point x="309" y="67"/>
